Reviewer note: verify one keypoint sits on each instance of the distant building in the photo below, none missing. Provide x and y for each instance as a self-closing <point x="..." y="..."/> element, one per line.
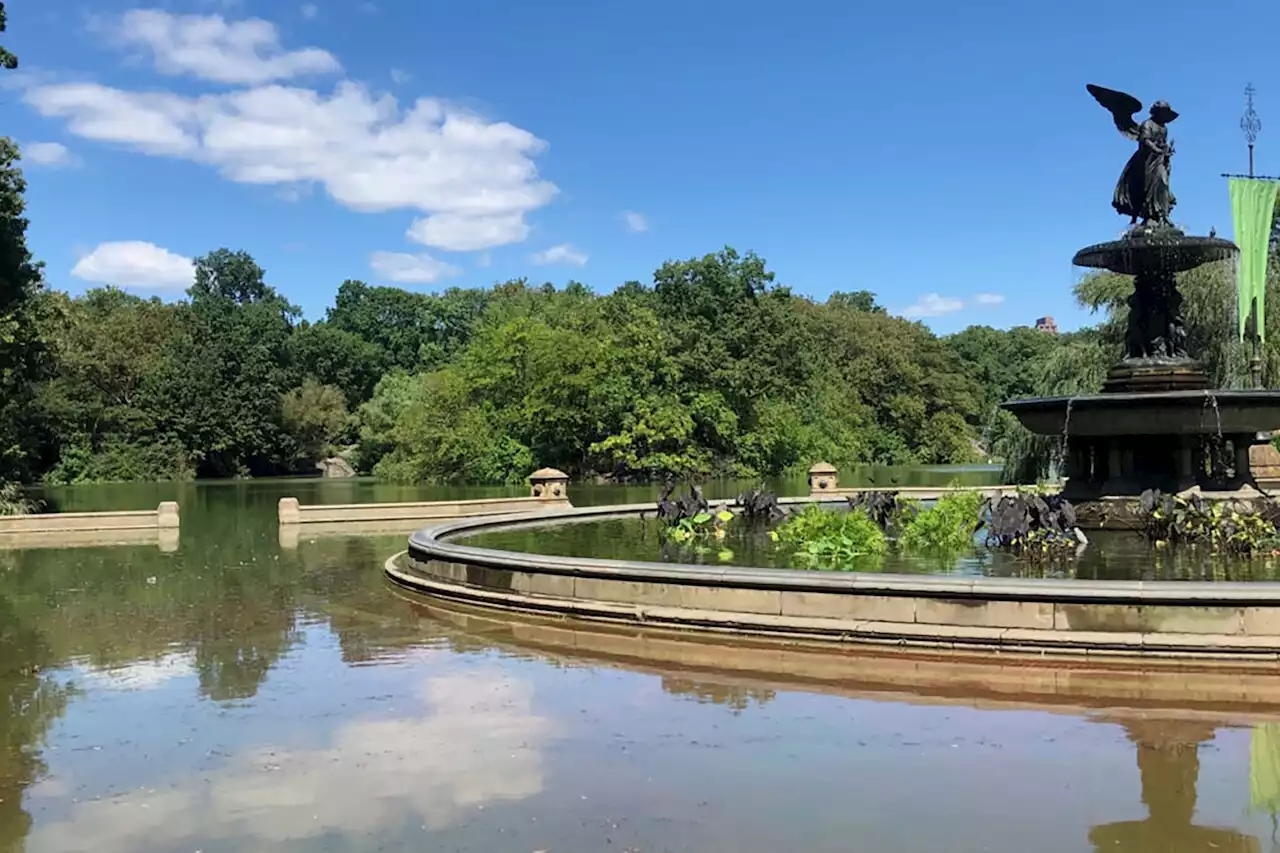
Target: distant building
<point x="1046" y="324"/>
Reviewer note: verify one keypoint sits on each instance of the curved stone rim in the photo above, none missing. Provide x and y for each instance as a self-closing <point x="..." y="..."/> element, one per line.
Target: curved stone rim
<point x="431" y="543"/>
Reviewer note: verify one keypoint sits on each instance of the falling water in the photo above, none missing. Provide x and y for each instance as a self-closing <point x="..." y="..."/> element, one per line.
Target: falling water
<point x="1063" y="447"/>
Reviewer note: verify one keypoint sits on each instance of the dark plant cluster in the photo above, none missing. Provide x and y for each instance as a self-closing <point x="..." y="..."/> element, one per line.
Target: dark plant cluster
<point x="886" y="509"/>
<point x="672" y="510"/>
<point x="1219" y="525"/>
<point x="1031" y="524"/>
<point x="760" y="507"/>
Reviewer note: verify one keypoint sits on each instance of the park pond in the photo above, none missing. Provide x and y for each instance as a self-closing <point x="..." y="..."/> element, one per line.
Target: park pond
<point x="236" y="694"/>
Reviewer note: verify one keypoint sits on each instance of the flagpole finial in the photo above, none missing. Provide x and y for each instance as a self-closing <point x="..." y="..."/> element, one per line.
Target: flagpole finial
<point x="1250" y="123"/>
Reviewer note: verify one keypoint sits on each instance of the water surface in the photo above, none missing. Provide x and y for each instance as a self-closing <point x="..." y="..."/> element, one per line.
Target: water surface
<point x="232" y="695"/>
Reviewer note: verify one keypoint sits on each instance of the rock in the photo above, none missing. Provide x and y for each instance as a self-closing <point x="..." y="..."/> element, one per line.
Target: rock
<point x="335" y="466"/>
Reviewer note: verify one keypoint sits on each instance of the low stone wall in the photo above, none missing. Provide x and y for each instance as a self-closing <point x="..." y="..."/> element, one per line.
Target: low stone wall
<point x="1097" y="618"/>
<point x="163" y="517"/>
<point x="549" y="491"/>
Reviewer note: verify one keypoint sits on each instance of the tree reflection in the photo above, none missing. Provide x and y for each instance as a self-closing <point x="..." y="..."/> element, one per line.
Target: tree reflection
<point x="736" y="697"/>
<point x="1169" y="766"/>
<point x="29" y="704"/>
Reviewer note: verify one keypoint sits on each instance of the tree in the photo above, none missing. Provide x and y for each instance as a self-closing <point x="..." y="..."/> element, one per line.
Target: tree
<point x="7" y="59"/>
<point x="858" y="300"/>
<point x="315" y="415"/>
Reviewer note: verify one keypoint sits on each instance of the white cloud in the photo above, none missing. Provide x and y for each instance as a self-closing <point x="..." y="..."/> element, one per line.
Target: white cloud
<point x="562" y="254"/>
<point x="636" y="222"/>
<point x="410" y="269"/>
<point x="49" y="154"/>
<point x="933" y="305"/>
<point x="211" y="48"/>
<point x="475" y="178"/>
<point x="476" y="740"/>
<point x="464" y="232"/>
<point x="400" y="76"/>
<point x="135" y="263"/>
<point x="309" y="11"/>
<point x="989" y="299"/>
<point x="485" y="260"/>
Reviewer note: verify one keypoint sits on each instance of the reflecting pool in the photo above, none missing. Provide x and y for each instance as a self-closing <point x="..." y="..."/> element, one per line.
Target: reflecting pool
<point x="236" y="695"/>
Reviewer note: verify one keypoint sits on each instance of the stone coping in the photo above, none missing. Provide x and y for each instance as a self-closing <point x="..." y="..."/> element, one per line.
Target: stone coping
<point x="433" y="543"/>
<point x="163" y="517"/>
<point x="290" y="512"/>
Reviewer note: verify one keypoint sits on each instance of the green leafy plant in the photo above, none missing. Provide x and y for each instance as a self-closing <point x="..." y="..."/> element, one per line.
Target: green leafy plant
<point x="1221" y="526"/>
<point x="14" y="502"/>
<point x="702" y="524"/>
<point x="830" y="540"/>
<point x="948" y="526"/>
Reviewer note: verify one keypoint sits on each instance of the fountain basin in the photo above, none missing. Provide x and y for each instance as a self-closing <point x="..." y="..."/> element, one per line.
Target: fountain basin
<point x="1153" y="621"/>
<point x="1151" y="413"/>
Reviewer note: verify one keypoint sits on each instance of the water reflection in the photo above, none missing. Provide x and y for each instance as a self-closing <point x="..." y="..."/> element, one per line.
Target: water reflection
<point x="1169" y="764"/>
<point x="232" y="695"/>
<point x="474" y="739"/>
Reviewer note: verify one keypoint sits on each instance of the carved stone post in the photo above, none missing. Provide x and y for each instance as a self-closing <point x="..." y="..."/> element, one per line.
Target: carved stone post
<point x="549" y="484"/>
<point x="823" y="478"/>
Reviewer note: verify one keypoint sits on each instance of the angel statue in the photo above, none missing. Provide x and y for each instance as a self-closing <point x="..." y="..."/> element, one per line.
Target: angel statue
<point x="1143" y="188"/>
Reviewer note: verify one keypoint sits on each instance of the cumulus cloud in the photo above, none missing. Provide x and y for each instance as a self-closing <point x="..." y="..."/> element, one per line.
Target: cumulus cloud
<point x="211" y="48"/>
<point x="400" y="76"/>
<point x="562" y="254"/>
<point x="133" y="263"/>
<point x="52" y="154"/>
<point x="476" y="741"/>
<point x="989" y="299"/>
<point x="475" y="179"/>
<point x="410" y="269"/>
<point x="933" y="305"/>
<point x="636" y="222"/>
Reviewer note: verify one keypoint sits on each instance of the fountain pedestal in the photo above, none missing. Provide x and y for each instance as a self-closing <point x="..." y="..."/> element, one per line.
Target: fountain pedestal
<point x="1156" y="424"/>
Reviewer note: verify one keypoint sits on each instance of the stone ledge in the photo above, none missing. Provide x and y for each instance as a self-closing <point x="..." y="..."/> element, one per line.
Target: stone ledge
<point x="766" y="622"/>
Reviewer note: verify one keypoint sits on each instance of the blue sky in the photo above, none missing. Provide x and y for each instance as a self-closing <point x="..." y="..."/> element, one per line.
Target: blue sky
<point x="930" y="152"/>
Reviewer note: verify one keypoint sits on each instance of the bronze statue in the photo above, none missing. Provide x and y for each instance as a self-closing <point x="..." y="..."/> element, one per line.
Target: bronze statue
<point x="1143" y="188"/>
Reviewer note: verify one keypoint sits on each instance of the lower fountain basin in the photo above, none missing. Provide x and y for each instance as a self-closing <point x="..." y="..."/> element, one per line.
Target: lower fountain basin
<point x="1151" y="413"/>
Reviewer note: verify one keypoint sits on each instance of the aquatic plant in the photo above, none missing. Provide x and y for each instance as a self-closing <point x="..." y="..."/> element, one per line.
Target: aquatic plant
<point x="948" y="526"/>
<point x="760" y="507"/>
<point x="672" y="510"/>
<point x="1032" y="524"/>
<point x="887" y="509"/>
<point x="825" y="539"/>
<point x="1220" y="525"/>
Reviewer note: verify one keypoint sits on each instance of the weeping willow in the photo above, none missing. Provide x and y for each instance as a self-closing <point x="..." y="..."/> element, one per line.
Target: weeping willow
<point x="1079" y="365"/>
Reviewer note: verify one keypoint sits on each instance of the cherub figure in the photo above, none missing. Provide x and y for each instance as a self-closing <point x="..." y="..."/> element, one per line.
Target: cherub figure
<point x="1143" y="189"/>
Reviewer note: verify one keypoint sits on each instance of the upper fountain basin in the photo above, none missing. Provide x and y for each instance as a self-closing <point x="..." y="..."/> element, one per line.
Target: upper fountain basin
<point x="1155" y="251"/>
<point x="1151" y="413"/>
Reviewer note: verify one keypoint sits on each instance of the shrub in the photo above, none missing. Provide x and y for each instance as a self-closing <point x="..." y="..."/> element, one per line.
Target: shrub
<point x="827" y="540"/>
<point x="948" y="526"/>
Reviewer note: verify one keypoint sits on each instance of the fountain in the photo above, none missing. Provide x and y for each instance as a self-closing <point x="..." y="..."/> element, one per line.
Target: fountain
<point x="1157" y="424"/>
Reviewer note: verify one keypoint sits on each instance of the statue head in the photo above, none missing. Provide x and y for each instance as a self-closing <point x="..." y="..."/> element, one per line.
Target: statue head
<point x="1162" y="112"/>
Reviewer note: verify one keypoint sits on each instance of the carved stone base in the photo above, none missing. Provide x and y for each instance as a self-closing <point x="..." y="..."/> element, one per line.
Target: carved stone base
<point x="1138" y="375"/>
<point x="1264" y="462"/>
<point x="1124" y="513"/>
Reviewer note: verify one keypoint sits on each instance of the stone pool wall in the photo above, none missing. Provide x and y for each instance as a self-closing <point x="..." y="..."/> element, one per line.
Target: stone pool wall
<point x="1102" y="618"/>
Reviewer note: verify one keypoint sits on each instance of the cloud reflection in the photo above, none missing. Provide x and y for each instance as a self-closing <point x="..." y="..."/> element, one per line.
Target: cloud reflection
<point x="478" y="742"/>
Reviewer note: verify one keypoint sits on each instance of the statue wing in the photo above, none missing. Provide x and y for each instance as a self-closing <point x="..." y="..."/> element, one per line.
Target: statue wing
<point x="1121" y="106"/>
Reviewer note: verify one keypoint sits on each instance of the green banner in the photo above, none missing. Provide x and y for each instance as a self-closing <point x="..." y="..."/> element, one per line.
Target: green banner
<point x="1253" y="204"/>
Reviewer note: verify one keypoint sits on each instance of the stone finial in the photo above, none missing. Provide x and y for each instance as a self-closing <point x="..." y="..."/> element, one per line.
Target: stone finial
<point x="549" y="484"/>
<point x="167" y="515"/>
<point x="289" y="512"/>
<point x="823" y="478"/>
